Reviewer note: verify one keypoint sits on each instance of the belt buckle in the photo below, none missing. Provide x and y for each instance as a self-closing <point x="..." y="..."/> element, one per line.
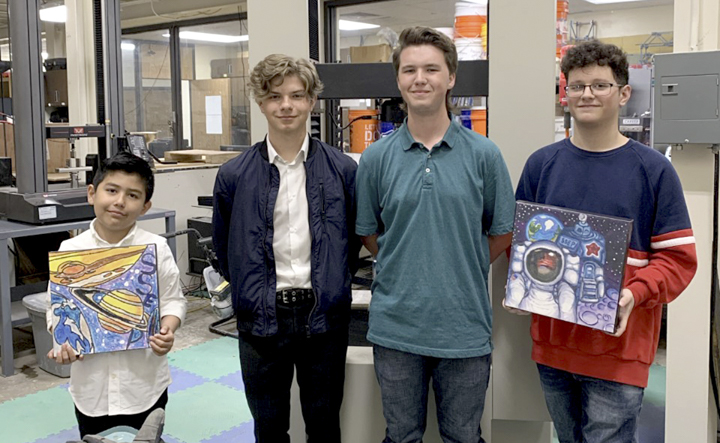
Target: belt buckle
<point x="289" y="296"/>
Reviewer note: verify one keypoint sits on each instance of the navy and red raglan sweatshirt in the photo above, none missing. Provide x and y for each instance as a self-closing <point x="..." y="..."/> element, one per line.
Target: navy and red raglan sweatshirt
<point x="632" y="181"/>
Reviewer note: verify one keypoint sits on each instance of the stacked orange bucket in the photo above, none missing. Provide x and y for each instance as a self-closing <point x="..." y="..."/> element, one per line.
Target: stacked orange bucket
<point x="471" y="44"/>
<point x="471" y="26"/>
<point x="471" y="30"/>
<point x="561" y="27"/>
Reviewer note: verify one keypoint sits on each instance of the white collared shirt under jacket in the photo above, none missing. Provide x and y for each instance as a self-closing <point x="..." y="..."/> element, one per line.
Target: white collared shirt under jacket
<point x="292" y="240"/>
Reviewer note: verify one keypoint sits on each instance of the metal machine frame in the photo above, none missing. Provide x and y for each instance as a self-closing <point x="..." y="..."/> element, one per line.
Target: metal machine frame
<point x="29" y="115"/>
<point x="376" y="80"/>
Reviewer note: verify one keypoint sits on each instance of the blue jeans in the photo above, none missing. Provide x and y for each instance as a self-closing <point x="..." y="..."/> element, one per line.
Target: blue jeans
<point x="267" y="368"/>
<point x="590" y="410"/>
<point x="459" y="385"/>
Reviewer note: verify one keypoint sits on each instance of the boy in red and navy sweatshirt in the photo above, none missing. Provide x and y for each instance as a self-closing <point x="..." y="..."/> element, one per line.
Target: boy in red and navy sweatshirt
<point x="594" y="381"/>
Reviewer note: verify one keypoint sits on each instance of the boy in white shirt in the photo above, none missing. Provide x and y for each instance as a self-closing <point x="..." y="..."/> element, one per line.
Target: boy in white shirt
<point x="122" y="388"/>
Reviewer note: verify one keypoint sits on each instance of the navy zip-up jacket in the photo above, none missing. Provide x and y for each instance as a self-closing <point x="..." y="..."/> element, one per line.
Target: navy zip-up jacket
<point x="244" y="198"/>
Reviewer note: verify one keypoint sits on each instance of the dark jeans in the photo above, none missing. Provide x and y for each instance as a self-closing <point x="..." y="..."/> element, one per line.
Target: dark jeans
<point x="267" y="368"/>
<point x="590" y="410"/>
<point x="95" y="425"/>
<point x="459" y="385"/>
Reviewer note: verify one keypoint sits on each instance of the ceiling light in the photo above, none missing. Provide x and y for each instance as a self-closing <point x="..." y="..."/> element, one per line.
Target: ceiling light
<point x="606" y="2"/>
<point x="347" y="25"/>
<point x="127" y="46"/>
<point x="206" y="37"/>
<point x="56" y="14"/>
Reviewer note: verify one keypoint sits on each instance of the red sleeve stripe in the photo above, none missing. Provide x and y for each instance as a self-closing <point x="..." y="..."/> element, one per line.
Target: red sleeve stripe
<point x="672" y="243"/>
<point x="638" y="254"/>
<point x="637" y="262"/>
<point x="673" y="234"/>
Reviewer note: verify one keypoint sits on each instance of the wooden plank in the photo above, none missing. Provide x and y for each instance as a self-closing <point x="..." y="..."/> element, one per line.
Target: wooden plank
<point x="201" y="155"/>
<point x="58" y="177"/>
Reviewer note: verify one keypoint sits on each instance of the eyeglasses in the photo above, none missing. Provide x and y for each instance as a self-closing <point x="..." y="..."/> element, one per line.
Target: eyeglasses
<point x="598" y="89"/>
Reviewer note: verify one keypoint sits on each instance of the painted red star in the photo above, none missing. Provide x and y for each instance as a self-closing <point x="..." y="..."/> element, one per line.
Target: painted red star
<point x="592" y="249"/>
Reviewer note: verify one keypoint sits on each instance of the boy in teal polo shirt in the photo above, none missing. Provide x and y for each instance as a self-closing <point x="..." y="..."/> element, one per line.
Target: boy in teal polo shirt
<point x="435" y="218"/>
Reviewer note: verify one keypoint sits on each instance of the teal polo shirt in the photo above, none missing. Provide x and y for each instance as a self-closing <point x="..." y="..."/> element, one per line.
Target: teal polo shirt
<point x="433" y="211"/>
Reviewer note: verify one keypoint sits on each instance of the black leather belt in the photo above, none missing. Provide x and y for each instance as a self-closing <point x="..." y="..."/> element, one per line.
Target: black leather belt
<point x="294" y="296"/>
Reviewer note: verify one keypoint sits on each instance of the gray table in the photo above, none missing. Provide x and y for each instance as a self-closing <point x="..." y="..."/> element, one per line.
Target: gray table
<point x="8" y="230"/>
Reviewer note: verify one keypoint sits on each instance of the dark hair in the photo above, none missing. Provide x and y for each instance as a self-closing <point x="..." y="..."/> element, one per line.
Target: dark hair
<point x="595" y="52"/>
<point x="419" y="35"/>
<point x="128" y="163"/>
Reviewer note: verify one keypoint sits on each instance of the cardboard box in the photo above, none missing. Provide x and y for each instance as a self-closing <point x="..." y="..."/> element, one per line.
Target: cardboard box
<point x="370" y="54"/>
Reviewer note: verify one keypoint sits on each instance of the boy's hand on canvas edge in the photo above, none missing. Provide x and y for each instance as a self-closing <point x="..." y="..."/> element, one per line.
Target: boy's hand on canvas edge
<point x="65" y="356"/>
<point x="162" y="342"/>
<point x="515" y="311"/>
<point x="626" y="305"/>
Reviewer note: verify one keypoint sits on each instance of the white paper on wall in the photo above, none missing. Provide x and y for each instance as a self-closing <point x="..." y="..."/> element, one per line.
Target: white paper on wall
<point x="213" y="114"/>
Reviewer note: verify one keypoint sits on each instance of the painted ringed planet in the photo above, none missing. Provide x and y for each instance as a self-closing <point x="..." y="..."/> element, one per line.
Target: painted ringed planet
<point x="119" y="310"/>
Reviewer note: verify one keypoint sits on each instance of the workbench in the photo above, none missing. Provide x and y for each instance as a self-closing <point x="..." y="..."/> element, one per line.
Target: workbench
<point x="10" y="230"/>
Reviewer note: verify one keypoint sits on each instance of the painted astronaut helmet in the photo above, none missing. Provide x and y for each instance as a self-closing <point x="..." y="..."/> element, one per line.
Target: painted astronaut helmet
<point x="544" y="262"/>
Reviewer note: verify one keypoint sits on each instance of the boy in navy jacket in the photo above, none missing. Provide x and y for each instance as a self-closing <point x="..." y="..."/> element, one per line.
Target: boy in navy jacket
<point x="283" y="223"/>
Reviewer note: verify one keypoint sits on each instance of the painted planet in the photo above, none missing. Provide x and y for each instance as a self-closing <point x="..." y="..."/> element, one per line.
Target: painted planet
<point x="589" y="318"/>
<point x="543" y="227"/>
<point x="93" y="267"/>
<point x="613" y="294"/>
<point x="119" y="310"/>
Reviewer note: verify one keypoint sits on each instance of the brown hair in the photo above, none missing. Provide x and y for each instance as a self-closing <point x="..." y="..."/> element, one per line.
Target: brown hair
<point x="280" y="66"/>
<point x="420" y="35"/>
<point x="595" y="52"/>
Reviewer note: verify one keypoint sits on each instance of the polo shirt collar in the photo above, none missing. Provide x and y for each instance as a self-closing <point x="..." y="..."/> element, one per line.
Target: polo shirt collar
<point x="449" y="139"/>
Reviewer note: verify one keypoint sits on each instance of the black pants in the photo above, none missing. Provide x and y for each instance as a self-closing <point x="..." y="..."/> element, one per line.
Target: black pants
<point x="267" y="367"/>
<point x="96" y="425"/>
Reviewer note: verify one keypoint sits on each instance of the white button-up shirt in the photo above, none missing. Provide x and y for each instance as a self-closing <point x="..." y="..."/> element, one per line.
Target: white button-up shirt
<point x="127" y="382"/>
<point x="291" y="239"/>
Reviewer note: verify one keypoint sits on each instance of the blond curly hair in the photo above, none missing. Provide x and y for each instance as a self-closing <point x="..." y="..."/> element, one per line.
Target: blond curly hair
<point x="281" y="66"/>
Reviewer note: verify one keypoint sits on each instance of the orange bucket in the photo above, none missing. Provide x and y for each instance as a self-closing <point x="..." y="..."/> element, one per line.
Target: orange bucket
<point x="471" y="26"/>
<point x="471" y="20"/>
<point x="561" y="26"/>
<point x="562" y="9"/>
<point x="478" y="117"/>
<point x="362" y="131"/>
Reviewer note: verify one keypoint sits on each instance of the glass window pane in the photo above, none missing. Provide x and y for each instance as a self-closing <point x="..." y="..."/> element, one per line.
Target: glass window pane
<point x="214" y="99"/>
<point x="147" y="94"/>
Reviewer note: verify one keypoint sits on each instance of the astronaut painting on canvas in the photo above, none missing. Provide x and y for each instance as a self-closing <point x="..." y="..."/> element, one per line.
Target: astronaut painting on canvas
<point x="567" y="264"/>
